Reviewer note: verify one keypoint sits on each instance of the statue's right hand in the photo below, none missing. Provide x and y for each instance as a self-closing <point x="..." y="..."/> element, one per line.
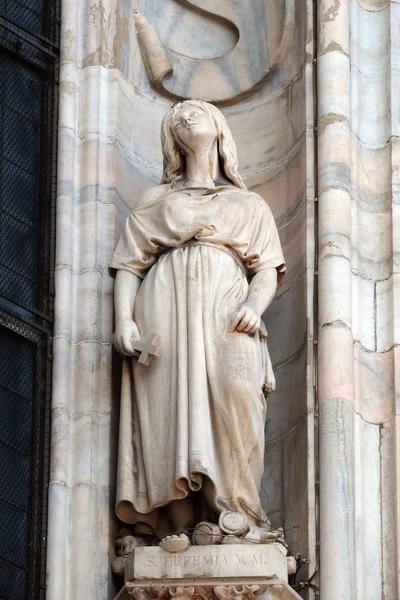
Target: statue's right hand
<point x="125" y="332"/>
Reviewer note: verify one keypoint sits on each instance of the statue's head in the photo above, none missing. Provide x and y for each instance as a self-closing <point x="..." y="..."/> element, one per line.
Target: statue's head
<point x="197" y="126"/>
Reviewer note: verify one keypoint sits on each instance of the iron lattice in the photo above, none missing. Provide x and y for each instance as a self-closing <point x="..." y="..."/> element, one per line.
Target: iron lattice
<point x="28" y="129"/>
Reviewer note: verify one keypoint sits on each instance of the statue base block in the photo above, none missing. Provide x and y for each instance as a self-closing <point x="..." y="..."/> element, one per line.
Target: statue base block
<point x="217" y="572"/>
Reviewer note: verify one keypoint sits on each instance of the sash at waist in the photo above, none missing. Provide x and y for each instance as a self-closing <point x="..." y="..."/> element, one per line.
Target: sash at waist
<point x="225" y="249"/>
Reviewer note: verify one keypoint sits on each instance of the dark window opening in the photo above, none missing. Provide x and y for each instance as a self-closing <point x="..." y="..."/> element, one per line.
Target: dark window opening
<point x="28" y="132"/>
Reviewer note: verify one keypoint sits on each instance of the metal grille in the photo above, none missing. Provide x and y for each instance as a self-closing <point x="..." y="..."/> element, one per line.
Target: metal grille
<point x="28" y="108"/>
<point x="34" y="16"/>
<point x="23" y="360"/>
<point x="26" y="120"/>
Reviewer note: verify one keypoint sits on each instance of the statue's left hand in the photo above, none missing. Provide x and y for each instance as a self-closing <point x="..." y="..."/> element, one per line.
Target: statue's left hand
<point x="246" y="319"/>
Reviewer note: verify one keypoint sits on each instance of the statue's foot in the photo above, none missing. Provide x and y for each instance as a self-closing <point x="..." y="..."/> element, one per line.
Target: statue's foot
<point x="175" y="543"/>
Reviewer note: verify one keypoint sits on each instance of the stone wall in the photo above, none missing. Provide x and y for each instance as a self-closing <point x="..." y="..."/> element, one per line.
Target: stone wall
<point x="109" y="152"/>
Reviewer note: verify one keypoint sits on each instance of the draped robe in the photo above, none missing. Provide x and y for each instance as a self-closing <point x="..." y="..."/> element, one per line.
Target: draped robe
<point x="193" y="421"/>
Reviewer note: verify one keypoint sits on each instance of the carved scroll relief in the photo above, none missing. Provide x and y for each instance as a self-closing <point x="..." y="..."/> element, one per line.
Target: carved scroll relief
<point x="220" y="79"/>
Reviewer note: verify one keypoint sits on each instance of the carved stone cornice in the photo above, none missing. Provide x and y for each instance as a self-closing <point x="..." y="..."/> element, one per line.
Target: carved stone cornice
<point x="276" y="591"/>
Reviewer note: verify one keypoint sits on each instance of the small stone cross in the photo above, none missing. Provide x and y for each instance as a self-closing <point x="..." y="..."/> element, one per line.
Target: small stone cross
<point x="148" y="349"/>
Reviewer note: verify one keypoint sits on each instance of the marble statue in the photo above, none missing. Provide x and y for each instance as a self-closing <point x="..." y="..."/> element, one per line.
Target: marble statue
<point x="197" y="264"/>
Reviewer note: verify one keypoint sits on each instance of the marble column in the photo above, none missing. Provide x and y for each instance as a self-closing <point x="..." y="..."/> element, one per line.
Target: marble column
<point x="358" y="284"/>
<point x="81" y="489"/>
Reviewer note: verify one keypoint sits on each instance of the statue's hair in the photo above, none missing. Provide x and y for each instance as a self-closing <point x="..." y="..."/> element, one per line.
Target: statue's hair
<point x="173" y="158"/>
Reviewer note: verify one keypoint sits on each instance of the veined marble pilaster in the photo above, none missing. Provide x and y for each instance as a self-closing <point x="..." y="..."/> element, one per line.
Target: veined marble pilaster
<point x="312" y="216"/>
<point x="357" y="112"/>
<point x="81" y="490"/>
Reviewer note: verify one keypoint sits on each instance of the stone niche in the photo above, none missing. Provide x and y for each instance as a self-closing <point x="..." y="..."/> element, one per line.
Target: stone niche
<point x="268" y="124"/>
<point x="227" y="572"/>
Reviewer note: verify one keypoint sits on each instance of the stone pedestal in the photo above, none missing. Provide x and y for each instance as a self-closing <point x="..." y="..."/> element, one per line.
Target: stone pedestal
<point x="223" y="572"/>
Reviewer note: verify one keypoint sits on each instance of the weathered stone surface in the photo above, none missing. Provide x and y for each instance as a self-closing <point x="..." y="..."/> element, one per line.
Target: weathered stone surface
<point x="208" y="572"/>
<point x="358" y="167"/>
<point x="275" y="590"/>
<point x="205" y="562"/>
<point x="108" y="154"/>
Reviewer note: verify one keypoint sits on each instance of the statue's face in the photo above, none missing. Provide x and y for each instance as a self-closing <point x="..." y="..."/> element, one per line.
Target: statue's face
<point x="193" y="129"/>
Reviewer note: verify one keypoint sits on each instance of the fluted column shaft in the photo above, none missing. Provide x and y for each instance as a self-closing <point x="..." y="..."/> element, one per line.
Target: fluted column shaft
<point x="356" y="343"/>
<point x="81" y="523"/>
